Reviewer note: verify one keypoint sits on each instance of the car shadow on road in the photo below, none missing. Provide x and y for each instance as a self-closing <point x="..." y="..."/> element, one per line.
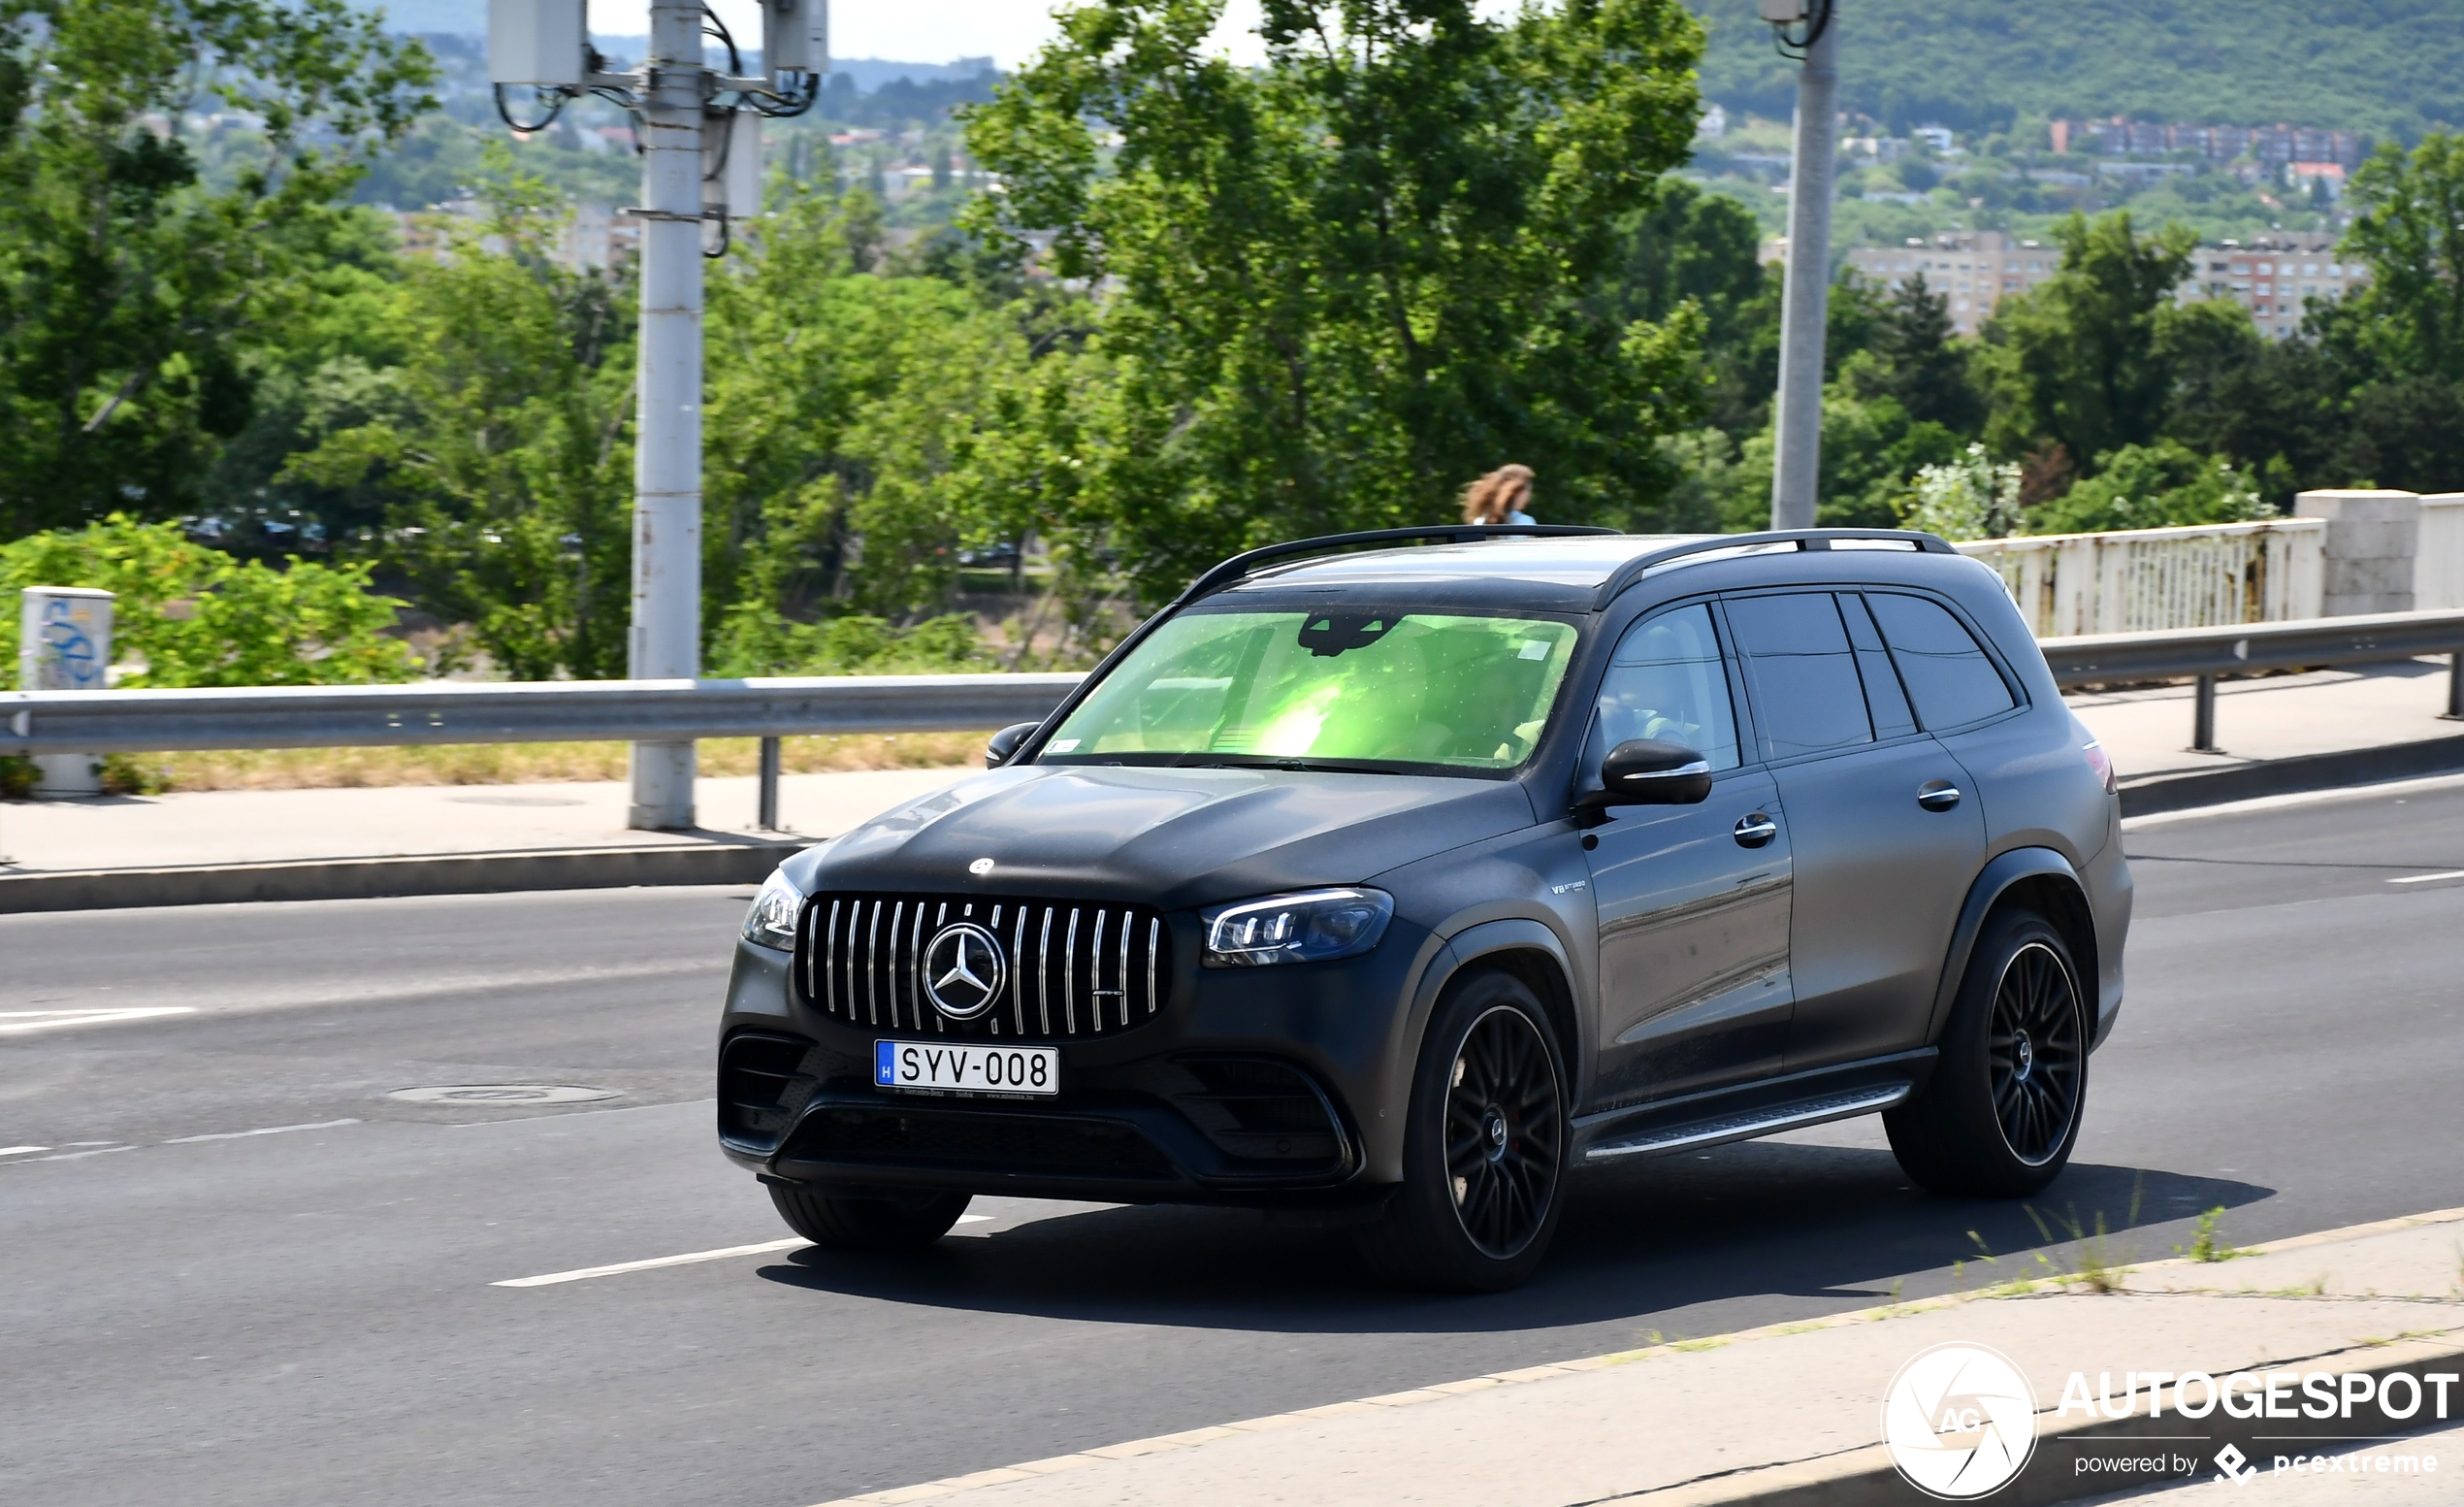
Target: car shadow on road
<point x="1793" y="1229"/>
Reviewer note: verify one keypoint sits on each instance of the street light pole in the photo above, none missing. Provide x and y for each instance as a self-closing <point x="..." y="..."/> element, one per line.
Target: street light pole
<point x="665" y="642"/>
<point x="1798" y="420"/>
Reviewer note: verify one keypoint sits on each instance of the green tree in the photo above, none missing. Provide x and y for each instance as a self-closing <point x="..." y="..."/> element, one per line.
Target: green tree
<point x="2152" y="486"/>
<point x="1916" y="359"/>
<point x="134" y="296"/>
<point x="863" y="428"/>
<point x="2078" y="361"/>
<point x="2409" y="224"/>
<point x="501" y="446"/>
<point x="1349" y="280"/>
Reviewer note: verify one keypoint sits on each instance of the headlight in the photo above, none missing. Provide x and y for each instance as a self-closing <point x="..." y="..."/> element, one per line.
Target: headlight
<point x="771" y="922"/>
<point x="1314" y="926"/>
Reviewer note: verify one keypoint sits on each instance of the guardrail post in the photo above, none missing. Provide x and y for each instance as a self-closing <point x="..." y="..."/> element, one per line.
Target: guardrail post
<point x="2455" y="686"/>
<point x="768" y="818"/>
<point x="2203" y="717"/>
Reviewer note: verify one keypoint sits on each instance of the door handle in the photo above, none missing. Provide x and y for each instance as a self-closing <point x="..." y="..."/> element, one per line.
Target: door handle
<point x="1937" y="795"/>
<point x="1755" y="829"/>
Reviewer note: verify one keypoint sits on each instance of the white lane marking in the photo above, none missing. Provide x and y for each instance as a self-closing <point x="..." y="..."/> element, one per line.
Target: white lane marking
<point x="2453" y="874"/>
<point x="17" y="1023"/>
<point x="688" y="1258"/>
<point x="70" y="1156"/>
<point x="271" y="1129"/>
<point x="13" y="1151"/>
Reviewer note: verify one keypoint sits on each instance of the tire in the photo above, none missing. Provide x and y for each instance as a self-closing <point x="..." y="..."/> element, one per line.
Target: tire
<point x="2001" y="1113"/>
<point x="892" y="1219"/>
<point x="1483" y="1150"/>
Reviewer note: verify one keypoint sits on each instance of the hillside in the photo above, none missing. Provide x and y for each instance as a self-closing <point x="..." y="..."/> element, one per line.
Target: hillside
<point x="2386" y="67"/>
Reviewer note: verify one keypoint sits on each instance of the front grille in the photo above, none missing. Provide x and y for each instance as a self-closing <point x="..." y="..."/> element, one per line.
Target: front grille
<point x="1071" y="969"/>
<point x="976" y="1141"/>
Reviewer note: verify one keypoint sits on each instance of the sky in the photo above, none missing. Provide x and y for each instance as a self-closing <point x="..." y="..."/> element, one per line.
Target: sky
<point x="940" y="31"/>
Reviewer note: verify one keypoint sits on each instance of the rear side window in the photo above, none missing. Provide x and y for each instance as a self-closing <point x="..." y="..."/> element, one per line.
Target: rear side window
<point x="1801" y="672"/>
<point x="1948" y="676"/>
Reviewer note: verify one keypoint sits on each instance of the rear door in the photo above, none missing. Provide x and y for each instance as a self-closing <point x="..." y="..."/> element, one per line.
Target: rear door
<point x="1693" y="916"/>
<point x="1885" y="836"/>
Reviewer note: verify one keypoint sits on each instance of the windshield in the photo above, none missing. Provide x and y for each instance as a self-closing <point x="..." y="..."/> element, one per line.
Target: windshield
<point x="1347" y="688"/>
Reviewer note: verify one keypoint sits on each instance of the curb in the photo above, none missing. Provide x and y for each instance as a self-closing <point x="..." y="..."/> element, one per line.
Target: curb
<point x="379" y="878"/>
<point x="1854" y="1478"/>
<point x="2294" y="775"/>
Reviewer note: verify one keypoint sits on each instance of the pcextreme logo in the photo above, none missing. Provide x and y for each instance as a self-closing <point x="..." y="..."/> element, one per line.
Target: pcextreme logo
<point x="1960" y="1421"/>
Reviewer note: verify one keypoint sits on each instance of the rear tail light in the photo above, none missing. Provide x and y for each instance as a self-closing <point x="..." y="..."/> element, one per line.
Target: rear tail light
<point x="2102" y="763"/>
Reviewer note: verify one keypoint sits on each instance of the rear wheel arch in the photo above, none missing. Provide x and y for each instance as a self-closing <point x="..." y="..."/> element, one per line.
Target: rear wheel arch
<point x="2035" y="879"/>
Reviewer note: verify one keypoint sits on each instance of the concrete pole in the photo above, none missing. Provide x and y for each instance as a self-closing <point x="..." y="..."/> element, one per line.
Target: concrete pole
<point x="1797" y="466"/>
<point x="667" y="608"/>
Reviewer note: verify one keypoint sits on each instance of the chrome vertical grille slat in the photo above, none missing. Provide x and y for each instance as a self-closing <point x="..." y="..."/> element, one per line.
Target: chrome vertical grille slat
<point x="1105" y="955"/>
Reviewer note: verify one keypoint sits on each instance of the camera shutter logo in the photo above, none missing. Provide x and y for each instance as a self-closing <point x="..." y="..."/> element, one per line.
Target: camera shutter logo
<point x="962" y="970"/>
<point x="1960" y="1421"/>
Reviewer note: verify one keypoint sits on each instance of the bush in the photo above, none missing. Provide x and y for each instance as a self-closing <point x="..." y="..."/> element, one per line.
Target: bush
<point x="2152" y="486"/>
<point x="198" y="617"/>
<point x="1969" y="498"/>
<point x="757" y="640"/>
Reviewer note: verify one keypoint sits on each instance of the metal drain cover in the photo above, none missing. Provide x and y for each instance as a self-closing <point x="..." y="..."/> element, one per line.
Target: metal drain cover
<point x="503" y="1094"/>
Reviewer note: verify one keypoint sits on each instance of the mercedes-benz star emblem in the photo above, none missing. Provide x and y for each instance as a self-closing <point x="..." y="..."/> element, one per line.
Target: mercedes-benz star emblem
<point x="961" y="970"/>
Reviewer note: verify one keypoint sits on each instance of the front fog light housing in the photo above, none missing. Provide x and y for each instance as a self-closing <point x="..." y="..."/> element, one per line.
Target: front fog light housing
<point x="1314" y="926"/>
<point x="771" y="922"/>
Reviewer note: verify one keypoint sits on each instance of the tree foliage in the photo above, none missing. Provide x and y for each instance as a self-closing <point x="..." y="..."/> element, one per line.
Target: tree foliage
<point x="1347" y="281"/>
<point x="134" y="299"/>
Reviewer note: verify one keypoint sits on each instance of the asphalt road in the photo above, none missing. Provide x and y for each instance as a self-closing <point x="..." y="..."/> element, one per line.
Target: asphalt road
<point x="306" y="1314"/>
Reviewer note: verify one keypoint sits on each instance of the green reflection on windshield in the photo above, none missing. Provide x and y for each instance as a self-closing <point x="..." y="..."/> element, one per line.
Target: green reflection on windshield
<point x="1412" y="688"/>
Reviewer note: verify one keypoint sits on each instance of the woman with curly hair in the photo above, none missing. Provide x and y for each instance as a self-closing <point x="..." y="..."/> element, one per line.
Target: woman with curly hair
<point x="1499" y="497"/>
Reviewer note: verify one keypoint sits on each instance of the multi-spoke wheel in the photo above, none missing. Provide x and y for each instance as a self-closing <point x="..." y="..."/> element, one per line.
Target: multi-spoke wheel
<point x="2002" y="1112"/>
<point x="2037" y="1052"/>
<point x="1485" y="1149"/>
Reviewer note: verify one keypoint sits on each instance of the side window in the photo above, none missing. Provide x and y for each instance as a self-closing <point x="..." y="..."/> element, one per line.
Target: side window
<point x="1802" y="671"/>
<point x="1665" y="681"/>
<point x="1884" y="697"/>
<point x="1947" y="675"/>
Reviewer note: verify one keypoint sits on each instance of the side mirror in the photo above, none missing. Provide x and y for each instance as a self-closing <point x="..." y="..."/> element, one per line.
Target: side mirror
<point x="1646" y="771"/>
<point x="1003" y="746"/>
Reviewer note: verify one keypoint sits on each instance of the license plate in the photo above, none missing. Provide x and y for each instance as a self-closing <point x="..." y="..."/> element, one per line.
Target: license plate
<point x="974" y="1070"/>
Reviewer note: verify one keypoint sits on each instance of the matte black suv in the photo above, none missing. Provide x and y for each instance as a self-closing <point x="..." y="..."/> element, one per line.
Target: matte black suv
<point x="1401" y="883"/>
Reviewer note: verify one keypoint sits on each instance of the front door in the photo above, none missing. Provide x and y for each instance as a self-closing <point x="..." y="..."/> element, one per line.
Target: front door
<point x="1694" y="900"/>
<point x="1884" y="832"/>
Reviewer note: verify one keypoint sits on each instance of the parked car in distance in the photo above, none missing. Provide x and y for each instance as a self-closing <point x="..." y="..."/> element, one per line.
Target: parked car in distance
<point x="1402" y="876"/>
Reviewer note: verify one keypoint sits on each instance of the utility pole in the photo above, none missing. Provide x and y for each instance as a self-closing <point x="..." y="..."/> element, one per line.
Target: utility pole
<point x="665" y="642"/>
<point x="1807" y="30"/>
<point x="697" y="130"/>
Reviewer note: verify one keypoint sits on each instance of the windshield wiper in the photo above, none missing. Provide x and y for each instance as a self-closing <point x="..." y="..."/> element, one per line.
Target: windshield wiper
<point x="1207" y="761"/>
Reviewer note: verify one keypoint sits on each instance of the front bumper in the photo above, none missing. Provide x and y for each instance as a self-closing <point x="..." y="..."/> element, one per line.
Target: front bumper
<point x="1253" y="1085"/>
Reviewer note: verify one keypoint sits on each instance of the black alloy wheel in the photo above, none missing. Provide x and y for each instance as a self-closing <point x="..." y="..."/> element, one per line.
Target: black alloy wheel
<point x="2037" y="1053"/>
<point x="1504" y="1136"/>
<point x="1485" y="1145"/>
<point x="1999" y="1115"/>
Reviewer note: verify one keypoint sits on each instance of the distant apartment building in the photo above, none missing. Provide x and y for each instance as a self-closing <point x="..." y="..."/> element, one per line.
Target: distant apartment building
<point x="2274" y="277"/>
<point x="2270" y="145"/>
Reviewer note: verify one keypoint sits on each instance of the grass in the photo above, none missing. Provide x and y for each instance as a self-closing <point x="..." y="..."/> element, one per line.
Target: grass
<point x="2206" y="1245"/>
<point x="515" y="764"/>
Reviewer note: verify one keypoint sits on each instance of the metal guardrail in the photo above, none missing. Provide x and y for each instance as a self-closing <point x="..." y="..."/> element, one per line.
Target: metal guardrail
<point x="2206" y="653"/>
<point x="686" y="710"/>
<point x="650" y="712"/>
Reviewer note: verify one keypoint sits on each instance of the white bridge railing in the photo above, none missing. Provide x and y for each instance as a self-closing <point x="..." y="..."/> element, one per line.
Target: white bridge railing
<point x="2151" y="581"/>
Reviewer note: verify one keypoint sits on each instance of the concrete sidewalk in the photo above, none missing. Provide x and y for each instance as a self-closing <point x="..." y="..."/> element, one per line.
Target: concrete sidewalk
<point x="1794" y="1413"/>
<point x="2280" y="733"/>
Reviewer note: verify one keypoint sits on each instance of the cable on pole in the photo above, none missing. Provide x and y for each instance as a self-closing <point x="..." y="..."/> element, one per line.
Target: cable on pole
<point x="1794" y="45"/>
<point x="560" y="95"/>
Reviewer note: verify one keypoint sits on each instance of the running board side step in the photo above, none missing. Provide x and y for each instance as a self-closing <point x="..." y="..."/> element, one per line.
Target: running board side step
<point x="1750" y="1124"/>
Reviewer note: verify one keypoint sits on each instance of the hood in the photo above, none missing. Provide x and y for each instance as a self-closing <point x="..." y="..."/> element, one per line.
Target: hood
<point x="1174" y="837"/>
